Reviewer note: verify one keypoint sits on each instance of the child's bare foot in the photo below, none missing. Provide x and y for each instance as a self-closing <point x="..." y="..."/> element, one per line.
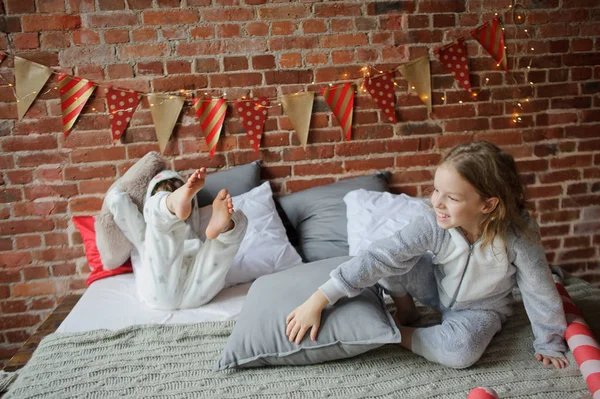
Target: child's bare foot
<point x="220" y="220"/>
<point x="179" y="202"/>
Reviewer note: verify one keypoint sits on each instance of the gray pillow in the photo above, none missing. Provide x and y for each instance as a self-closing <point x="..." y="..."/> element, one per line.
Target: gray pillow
<point x="238" y="180"/>
<point x="318" y="215"/>
<point x="351" y="327"/>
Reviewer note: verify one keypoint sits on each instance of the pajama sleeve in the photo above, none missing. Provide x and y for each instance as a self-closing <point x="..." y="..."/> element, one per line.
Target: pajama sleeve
<point x="540" y="297"/>
<point x="126" y="216"/>
<point x="391" y="256"/>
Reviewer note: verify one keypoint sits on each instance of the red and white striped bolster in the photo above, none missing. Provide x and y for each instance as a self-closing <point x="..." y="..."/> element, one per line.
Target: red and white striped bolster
<point x="582" y="343"/>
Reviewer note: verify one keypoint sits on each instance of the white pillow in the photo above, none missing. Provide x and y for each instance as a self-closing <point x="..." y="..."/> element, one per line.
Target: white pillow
<point x="265" y="248"/>
<point x="375" y="215"/>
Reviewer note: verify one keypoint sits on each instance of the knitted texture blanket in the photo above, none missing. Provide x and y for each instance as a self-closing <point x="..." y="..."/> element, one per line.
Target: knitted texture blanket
<point x="177" y="361"/>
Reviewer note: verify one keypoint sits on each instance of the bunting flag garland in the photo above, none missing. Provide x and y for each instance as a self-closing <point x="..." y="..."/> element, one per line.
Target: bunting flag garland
<point x="121" y="105"/>
<point x="74" y="93"/>
<point x="491" y="37"/>
<point x="418" y="74"/>
<point x="298" y="107"/>
<point x="454" y="59"/>
<point x="341" y="100"/>
<point x="29" y="80"/>
<point x="165" y="110"/>
<point x="381" y="88"/>
<point x="253" y="113"/>
<point x="211" y="113"/>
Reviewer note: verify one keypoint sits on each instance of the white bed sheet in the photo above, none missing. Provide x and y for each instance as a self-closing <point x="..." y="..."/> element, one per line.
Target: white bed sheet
<point x="112" y="303"/>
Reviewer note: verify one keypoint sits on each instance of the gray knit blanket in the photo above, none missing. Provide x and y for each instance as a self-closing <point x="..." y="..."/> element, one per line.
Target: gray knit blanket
<point x="177" y="361"/>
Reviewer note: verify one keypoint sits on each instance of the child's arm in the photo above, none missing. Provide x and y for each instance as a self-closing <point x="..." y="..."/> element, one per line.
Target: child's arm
<point x="126" y="215"/>
<point x="542" y="302"/>
<point x="394" y="255"/>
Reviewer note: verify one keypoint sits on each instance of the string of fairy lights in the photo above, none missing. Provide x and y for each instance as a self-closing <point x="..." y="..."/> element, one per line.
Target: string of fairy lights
<point x="515" y="10"/>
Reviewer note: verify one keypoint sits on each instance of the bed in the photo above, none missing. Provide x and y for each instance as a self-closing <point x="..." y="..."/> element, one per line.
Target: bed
<point x="111" y="345"/>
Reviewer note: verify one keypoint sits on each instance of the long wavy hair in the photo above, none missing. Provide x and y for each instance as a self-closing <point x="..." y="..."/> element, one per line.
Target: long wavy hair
<point x="493" y="173"/>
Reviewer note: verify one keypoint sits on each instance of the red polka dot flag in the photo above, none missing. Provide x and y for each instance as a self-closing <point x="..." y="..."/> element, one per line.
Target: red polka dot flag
<point x="74" y="93"/>
<point x="341" y="100"/>
<point x="211" y="113"/>
<point x="454" y="58"/>
<point x="491" y="37"/>
<point x="253" y="113"/>
<point x="121" y="105"/>
<point x="381" y="88"/>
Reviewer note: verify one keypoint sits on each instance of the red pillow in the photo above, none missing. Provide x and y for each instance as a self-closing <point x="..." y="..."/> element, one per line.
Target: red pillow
<point x="85" y="224"/>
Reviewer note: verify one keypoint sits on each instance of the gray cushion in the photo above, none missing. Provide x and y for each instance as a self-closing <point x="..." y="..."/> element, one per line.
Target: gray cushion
<point x="351" y="327"/>
<point x="319" y="215"/>
<point x="238" y="180"/>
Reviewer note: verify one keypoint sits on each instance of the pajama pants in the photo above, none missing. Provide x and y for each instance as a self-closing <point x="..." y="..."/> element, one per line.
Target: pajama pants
<point x="173" y="268"/>
<point x="463" y="335"/>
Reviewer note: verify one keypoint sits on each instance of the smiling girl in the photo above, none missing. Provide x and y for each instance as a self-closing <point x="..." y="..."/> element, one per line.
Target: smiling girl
<point x="463" y="257"/>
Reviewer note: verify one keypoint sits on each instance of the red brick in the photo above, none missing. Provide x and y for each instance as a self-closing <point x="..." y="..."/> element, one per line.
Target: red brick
<point x="227" y="15"/>
<point x="42" y="303"/>
<point x="313" y="26"/>
<point x="14" y="259"/>
<point x="441" y="6"/>
<point x="112" y="19"/>
<point x="65" y="269"/>
<point x="292" y="11"/>
<point x="20" y="6"/>
<point x="257" y="29"/>
<point x="85" y="205"/>
<point x="38" y="23"/>
<point x="10" y="276"/>
<point x="320" y="168"/>
<point x="299" y="185"/>
<point x="228" y="31"/>
<point x="12" y="322"/>
<point x="111" y="5"/>
<point x="28" y="241"/>
<point x="26" y="41"/>
<point x="174" y="17"/>
<point x="25" y="226"/>
<point x="454" y="111"/>
<point x="574" y="161"/>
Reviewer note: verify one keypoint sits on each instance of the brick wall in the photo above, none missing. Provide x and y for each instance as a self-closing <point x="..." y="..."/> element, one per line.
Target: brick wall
<point x="255" y="47"/>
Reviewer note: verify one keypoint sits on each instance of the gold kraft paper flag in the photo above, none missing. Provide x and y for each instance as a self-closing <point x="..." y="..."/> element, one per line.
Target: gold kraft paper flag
<point x="165" y="111"/>
<point x="418" y="74"/>
<point x="298" y="107"/>
<point x="29" y="80"/>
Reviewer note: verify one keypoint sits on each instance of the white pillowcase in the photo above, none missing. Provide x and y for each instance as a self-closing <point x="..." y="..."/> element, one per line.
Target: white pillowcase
<point x="265" y="248"/>
<point x="375" y="215"/>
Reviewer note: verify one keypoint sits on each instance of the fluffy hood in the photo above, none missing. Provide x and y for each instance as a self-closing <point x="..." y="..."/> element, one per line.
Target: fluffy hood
<point x="161" y="176"/>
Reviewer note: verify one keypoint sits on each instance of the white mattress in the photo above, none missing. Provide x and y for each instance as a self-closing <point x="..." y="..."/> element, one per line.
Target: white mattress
<point x="112" y="303"/>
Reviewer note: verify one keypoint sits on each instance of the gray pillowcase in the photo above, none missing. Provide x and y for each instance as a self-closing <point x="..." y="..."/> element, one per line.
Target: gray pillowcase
<point x="318" y="215"/>
<point x="238" y="180"/>
<point x="351" y="327"/>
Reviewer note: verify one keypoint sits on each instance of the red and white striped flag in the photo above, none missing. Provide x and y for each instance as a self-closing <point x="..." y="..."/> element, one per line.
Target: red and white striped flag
<point x="341" y="100"/>
<point x="491" y="37"/>
<point x="211" y="113"/>
<point x="74" y="93"/>
<point x="381" y="88"/>
<point x="253" y="113"/>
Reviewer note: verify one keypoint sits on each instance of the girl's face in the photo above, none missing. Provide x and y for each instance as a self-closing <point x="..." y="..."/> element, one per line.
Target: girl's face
<point x="457" y="203"/>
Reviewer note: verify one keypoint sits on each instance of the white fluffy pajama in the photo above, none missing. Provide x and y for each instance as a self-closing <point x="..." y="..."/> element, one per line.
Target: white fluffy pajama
<point x="173" y="268"/>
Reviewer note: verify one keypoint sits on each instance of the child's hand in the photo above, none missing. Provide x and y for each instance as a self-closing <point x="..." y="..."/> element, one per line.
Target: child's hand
<point x="306" y="317"/>
<point x="558" y="362"/>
